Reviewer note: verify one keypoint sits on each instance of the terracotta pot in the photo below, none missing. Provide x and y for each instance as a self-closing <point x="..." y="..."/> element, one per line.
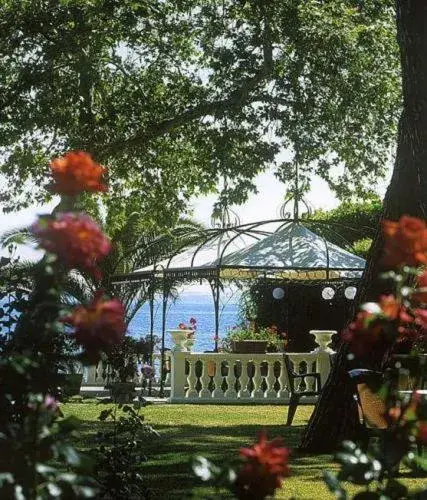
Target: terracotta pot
<point x="249" y="346"/>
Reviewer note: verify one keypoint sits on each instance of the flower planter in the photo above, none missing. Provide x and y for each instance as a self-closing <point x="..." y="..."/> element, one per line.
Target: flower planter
<point x="249" y="346"/>
<point x="181" y="339"/>
<point x="122" y="392"/>
<point x="323" y="338"/>
<point x="70" y="384"/>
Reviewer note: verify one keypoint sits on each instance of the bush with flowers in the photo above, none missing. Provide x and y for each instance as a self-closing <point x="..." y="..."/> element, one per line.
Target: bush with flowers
<point x="276" y="341"/>
<point x="396" y="323"/>
<point x="190" y="328"/>
<point x="36" y="457"/>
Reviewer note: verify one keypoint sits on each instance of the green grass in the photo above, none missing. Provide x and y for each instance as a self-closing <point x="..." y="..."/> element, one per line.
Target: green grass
<point x="216" y="432"/>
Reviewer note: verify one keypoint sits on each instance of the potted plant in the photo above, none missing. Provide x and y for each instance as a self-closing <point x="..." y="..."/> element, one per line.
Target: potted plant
<point x="277" y="341"/>
<point x="252" y="340"/>
<point x="184" y="336"/>
<point x="121" y="367"/>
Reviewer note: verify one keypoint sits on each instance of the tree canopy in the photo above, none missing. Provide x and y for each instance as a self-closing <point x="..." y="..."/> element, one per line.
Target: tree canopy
<point x="182" y="96"/>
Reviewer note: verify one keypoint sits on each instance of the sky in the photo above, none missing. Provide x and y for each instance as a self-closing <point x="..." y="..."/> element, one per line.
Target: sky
<point x="265" y="204"/>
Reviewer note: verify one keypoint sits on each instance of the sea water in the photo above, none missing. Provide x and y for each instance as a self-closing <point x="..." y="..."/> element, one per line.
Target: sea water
<point x="187" y="305"/>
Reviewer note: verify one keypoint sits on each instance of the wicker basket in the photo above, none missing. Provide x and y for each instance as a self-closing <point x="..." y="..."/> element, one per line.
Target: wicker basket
<point x="373" y="407"/>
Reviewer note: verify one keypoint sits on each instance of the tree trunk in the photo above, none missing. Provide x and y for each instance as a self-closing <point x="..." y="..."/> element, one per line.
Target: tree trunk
<point x="335" y="417"/>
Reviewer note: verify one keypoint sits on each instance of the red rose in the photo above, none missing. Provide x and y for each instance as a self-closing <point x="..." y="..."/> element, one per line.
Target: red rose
<point x="368" y="328"/>
<point x="99" y="324"/>
<point x="75" y="238"/>
<point x="76" y="172"/>
<point x="266" y="465"/>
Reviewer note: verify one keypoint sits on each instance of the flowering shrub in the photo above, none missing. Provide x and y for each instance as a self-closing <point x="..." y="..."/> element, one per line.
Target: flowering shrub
<point x="192" y="327"/>
<point x="265" y="466"/>
<point x="405" y="242"/>
<point x="34" y="436"/>
<point x="395" y="322"/>
<point x="256" y="476"/>
<point x="276" y="340"/>
<point x="121" y="359"/>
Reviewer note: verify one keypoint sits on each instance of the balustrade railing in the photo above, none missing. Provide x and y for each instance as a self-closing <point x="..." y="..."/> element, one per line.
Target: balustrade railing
<point x="227" y="377"/>
<point x="252" y="378"/>
<point x="93" y="376"/>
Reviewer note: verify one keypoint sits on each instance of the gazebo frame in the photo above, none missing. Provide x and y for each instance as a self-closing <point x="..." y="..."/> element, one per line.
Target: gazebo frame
<point x="165" y="275"/>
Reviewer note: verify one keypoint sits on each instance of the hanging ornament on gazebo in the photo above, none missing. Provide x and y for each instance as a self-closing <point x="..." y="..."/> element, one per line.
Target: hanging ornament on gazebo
<point x="328" y="293"/>
<point x="278" y="293"/>
<point x="350" y="292"/>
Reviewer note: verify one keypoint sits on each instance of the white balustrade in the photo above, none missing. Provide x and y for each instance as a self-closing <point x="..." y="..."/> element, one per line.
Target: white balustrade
<point x="93" y="375"/>
<point x="241" y="378"/>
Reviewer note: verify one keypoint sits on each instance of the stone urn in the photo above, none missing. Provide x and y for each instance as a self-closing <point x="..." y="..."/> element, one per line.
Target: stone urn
<point x="180" y="338"/>
<point x="323" y="338"/>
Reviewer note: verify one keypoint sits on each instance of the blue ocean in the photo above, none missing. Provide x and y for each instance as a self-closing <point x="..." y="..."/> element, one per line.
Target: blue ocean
<point x="186" y="306"/>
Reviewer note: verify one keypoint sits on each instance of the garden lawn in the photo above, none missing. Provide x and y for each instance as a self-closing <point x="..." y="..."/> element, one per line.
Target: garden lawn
<point x="216" y="432"/>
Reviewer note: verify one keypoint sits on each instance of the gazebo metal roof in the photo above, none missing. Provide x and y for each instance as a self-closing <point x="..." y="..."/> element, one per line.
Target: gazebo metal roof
<point x="281" y="248"/>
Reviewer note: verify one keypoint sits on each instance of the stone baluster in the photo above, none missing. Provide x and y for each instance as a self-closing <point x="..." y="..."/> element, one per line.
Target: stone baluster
<point x="257" y="380"/>
<point x="192" y="378"/>
<point x="310" y="382"/>
<point x="205" y="379"/>
<point x="271" y="379"/>
<point x="178" y="377"/>
<point x="218" y="393"/>
<point x="167" y="381"/>
<point x="231" y="380"/>
<point x="283" y="381"/>
<point x="92" y="377"/>
<point x="244" y="381"/>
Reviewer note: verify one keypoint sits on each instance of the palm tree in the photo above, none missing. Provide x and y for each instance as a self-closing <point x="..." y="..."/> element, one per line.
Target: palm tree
<point x="133" y="247"/>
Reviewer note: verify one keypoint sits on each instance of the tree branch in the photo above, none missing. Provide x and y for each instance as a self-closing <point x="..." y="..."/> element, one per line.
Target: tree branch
<point x="237" y="98"/>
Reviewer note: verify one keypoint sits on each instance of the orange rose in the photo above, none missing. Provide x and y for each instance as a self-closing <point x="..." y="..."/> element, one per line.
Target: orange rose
<point x="405" y="242"/>
<point x="76" y="172"/>
<point x="75" y="238"/>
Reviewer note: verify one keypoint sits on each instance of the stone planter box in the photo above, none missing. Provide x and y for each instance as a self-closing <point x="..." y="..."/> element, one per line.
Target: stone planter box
<point x="249" y="346"/>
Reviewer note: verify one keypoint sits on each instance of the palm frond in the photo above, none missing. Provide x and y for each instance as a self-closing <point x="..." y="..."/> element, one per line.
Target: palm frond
<point x="19" y="236"/>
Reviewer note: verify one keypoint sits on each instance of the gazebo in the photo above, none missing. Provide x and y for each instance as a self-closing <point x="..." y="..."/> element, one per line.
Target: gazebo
<point x="278" y="249"/>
